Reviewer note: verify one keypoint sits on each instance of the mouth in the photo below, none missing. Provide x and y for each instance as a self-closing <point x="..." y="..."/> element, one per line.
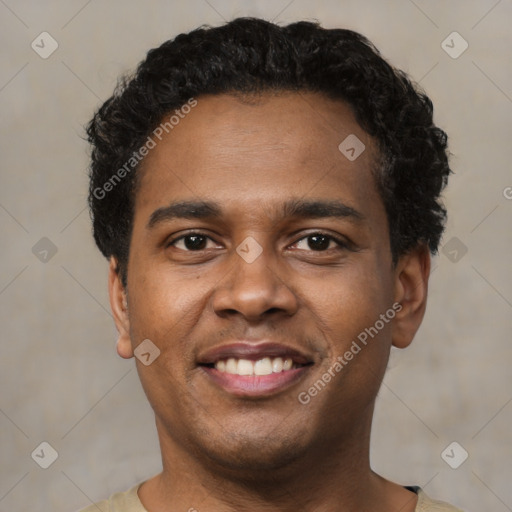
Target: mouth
<point x="249" y="370"/>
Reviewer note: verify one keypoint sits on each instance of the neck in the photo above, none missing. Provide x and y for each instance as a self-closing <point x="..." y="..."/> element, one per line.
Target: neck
<point x="330" y="476"/>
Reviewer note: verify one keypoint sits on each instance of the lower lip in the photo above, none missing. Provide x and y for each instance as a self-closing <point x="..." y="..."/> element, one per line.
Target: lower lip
<point x="255" y="385"/>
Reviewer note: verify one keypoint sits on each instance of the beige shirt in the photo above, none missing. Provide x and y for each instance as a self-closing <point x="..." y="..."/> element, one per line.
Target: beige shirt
<point x="128" y="501"/>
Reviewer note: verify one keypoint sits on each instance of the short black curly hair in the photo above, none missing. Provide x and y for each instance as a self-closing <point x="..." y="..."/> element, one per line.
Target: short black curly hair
<point x="250" y="55"/>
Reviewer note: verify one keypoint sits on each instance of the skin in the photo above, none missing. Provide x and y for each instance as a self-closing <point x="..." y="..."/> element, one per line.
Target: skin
<point x="225" y="453"/>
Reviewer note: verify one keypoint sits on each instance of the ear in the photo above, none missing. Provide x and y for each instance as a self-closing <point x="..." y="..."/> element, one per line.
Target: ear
<point x="411" y="287"/>
<point x="119" y="306"/>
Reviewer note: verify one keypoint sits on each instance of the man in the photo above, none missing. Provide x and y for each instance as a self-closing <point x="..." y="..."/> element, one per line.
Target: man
<point x="268" y="198"/>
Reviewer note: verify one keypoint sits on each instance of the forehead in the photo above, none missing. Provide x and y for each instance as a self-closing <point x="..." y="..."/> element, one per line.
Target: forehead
<point x="259" y="148"/>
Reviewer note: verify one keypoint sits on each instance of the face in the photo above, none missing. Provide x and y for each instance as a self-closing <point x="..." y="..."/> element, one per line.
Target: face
<point x="260" y="253"/>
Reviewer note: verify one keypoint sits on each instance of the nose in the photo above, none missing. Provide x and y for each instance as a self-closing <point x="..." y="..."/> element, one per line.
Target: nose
<point x="254" y="288"/>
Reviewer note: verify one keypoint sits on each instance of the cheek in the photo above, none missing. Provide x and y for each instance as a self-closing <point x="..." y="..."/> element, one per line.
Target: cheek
<point x="350" y="305"/>
<point x="360" y="291"/>
<point x="157" y="297"/>
<point x="165" y="307"/>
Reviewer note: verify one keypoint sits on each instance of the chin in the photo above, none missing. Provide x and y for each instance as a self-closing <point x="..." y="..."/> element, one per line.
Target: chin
<point x="254" y="463"/>
<point x="254" y="457"/>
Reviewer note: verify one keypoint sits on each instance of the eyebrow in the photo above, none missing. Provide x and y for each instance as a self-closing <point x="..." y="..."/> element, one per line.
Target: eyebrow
<point x="295" y="208"/>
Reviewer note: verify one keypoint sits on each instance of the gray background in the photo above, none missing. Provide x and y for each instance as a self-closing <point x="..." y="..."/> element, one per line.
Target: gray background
<point x="61" y="380"/>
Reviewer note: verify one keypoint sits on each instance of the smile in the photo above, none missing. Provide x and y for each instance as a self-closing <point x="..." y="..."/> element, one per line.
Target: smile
<point x="254" y="370"/>
<point x="265" y="366"/>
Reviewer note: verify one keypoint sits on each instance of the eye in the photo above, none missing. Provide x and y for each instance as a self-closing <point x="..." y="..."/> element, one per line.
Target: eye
<point x="193" y="241"/>
<point x="321" y="242"/>
<point x="318" y="242"/>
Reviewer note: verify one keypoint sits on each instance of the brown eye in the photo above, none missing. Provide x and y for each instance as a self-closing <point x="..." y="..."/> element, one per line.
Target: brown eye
<point x="191" y="242"/>
<point x="320" y="242"/>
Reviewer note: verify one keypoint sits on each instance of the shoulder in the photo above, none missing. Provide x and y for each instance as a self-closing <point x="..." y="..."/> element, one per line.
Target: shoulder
<point x="427" y="504"/>
<point x="127" y="501"/>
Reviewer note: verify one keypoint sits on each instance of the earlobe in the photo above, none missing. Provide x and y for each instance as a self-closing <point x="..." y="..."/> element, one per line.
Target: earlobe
<point x="411" y="287"/>
<point x="119" y="307"/>
<point x="124" y="347"/>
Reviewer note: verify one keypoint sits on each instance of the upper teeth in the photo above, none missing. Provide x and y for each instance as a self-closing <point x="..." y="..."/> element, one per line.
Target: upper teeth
<point x="264" y="366"/>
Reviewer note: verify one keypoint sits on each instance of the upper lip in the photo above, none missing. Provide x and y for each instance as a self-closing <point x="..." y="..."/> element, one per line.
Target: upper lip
<point x="253" y="351"/>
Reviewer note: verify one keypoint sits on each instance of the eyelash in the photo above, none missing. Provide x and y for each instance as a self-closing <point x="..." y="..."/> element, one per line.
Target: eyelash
<point x="341" y="243"/>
